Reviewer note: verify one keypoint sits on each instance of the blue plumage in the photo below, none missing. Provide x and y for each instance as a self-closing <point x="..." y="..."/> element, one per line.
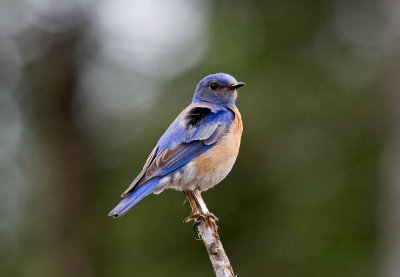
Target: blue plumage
<point x="179" y="132"/>
<point x="134" y="197"/>
<point x="193" y="132"/>
<point x="188" y="152"/>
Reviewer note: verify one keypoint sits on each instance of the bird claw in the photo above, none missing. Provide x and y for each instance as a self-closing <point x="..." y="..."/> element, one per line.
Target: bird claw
<point x="196" y="224"/>
<point x="197" y="217"/>
<point x="211" y="215"/>
<point x="194" y="217"/>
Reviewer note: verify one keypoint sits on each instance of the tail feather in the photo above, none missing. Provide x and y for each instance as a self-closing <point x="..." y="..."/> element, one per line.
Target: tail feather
<point x="133" y="198"/>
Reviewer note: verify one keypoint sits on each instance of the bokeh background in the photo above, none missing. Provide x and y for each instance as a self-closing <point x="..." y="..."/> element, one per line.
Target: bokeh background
<point x="87" y="88"/>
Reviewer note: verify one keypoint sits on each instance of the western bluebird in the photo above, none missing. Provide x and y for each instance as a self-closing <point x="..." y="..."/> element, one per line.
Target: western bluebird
<point x="198" y="149"/>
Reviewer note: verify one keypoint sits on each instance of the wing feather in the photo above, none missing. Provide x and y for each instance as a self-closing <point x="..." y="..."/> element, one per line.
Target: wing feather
<point x="190" y="135"/>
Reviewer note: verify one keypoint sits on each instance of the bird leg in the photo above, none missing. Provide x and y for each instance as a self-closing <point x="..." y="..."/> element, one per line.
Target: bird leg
<point x="203" y="208"/>
<point x="196" y="212"/>
<point x="199" y="209"/>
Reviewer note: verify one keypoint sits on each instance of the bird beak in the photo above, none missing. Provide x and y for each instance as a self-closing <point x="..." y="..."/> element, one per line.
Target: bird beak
<point x="237" y="85"/>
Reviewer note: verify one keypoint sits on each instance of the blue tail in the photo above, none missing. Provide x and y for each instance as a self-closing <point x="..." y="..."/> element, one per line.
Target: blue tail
<point x="131" y="199"/>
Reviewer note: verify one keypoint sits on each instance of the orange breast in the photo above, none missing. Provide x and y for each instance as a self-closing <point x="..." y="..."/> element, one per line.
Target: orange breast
<point x="219" y="159"/>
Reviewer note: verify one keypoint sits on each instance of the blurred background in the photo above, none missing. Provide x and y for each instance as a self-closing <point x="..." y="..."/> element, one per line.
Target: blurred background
<point x="88" y="87"/>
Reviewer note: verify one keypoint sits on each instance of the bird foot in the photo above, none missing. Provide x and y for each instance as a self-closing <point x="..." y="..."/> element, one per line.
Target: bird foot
<point x="211" y="215"/>
<point x="198" y="216"/>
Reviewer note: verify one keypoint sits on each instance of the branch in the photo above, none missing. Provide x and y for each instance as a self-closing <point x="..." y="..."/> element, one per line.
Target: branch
<point x="207" y="230"/>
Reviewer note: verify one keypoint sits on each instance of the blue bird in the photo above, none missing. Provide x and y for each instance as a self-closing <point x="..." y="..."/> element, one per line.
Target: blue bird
<point x="198" y="149"/>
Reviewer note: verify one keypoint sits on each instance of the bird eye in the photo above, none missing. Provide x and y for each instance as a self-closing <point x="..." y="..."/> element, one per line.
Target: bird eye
<point x="213" y="86"/>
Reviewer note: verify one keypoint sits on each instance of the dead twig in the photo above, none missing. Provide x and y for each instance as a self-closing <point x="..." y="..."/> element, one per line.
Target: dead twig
<point x="207" y="230"/>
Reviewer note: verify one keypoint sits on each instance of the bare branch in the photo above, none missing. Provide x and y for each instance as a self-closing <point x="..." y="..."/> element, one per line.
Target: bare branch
<point x="207" y="230"/>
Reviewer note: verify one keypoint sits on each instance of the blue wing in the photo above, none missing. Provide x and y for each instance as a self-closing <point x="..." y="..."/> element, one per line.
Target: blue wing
<point x="194" y="131"/>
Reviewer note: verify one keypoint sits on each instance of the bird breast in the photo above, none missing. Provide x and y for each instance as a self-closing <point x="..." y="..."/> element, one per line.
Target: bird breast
<point x="211" y="167"/>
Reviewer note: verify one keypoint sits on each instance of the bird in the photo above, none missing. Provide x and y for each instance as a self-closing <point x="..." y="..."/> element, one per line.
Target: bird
<point x="198" y="149"/>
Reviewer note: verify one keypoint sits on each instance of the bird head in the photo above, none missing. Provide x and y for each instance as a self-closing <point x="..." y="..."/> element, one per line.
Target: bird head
<point x="218" y="88"/>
